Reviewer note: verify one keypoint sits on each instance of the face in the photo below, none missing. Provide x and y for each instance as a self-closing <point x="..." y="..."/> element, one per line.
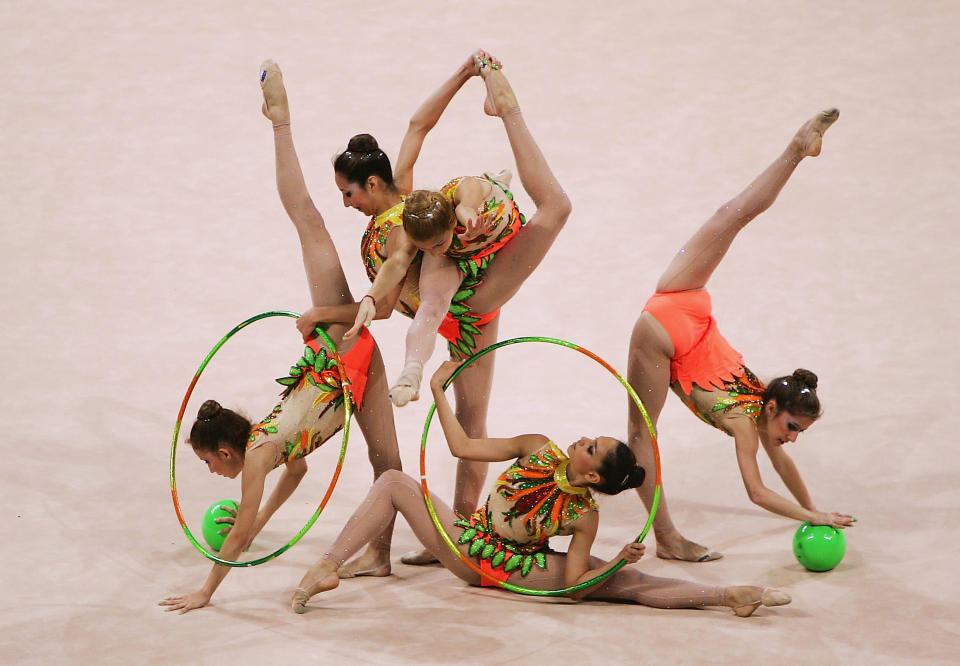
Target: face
<point x="436" y="245"/>
<point x="587" y="453"/>
<point x="223" y="461"/>
<point x="782" y="426"/>
<point x="354" y="195"/>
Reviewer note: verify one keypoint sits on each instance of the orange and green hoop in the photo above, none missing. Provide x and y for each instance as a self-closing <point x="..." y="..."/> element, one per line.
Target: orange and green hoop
<point x="436" y="520"/>
<point x="347" y="413"/>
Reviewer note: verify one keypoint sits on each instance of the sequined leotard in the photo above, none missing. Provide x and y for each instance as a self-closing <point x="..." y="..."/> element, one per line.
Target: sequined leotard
<point x="311" y="410"/>
<point x="705" y="372"/>
<point x="532" y="501"/>
<point x="461" y="325"/>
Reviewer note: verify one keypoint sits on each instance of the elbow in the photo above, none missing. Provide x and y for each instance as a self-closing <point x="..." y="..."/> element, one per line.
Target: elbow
<point x="755" y="495"/>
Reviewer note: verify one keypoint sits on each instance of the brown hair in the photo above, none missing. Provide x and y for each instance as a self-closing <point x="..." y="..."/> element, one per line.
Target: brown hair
<point x="216" y="426"/>
<point x="796" y="393"/>
<point x="426" y="215"/>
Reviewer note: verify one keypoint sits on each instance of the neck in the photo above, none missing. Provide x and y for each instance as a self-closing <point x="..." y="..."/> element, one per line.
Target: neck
<point x="386" y="201"/>
<point x="568" y="480"/>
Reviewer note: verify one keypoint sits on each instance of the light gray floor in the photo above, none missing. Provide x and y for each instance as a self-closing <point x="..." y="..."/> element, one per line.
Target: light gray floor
<point x="140" y="222"/>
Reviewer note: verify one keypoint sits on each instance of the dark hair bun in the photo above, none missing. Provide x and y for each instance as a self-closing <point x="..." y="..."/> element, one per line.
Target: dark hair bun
<point x="362" y="143"/>
<point x="635" y="480"/>
<point x="208" y="410"/>
<point x="805" y="378"/>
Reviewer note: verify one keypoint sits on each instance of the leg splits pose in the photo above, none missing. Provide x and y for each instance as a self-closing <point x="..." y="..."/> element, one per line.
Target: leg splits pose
<point x="676" y="344"/>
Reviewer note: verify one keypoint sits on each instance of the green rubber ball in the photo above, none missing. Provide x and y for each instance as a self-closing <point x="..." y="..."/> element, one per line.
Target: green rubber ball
<point x="819" y="547"/>
<point x="211" y="528"/>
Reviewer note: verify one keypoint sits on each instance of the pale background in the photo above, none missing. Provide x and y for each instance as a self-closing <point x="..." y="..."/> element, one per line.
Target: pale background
<point x="140" y="223"/>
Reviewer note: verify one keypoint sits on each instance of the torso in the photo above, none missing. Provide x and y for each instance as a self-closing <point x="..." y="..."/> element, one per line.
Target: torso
<point x="741" y="398"/>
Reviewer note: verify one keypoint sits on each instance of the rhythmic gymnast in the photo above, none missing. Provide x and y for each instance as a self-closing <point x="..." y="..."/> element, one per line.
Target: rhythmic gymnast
<point x="545" y="492"/>
<point x="364" y="177"/>
<point x="676" y="343"/>
<point x="311" y="410"/>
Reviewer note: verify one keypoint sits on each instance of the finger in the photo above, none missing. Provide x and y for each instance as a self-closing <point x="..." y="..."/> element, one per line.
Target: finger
<point x="225" y="530"/>
<point x="352" y="332"/>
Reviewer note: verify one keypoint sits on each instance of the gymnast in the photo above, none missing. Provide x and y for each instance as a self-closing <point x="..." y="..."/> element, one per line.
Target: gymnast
<point x="544" y="492"/>
<point x="675" y="343"/>
<point x="364" y="177"/>
<point x="312" y="408"/>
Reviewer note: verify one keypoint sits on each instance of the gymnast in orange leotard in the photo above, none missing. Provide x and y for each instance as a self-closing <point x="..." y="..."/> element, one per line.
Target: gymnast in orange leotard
<point x="676" y="344"/>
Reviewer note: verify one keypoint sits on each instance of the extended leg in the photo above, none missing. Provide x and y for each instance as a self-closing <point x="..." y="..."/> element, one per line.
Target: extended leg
<point x="377" y="425"/>
<point x="696" y="261"/>
<point x="394" y="491"/>
<point x="439" y="279"/>
<point x="518" y="258"/>
<point x="648" y="371"/>
<point x="328" y="285"/>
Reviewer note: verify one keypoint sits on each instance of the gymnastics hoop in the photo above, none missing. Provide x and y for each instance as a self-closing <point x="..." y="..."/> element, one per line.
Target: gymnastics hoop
<point x="348" y="411"/>
<point x="433" y="513"/>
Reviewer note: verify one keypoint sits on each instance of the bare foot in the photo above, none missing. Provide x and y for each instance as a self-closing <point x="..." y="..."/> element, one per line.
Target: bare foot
<point x="321" y="577"/>
<point x="372" y="562"/>
<point x="678" y="548"/>
<point x="745" y="599"/>
<point x="419" y="558"/>
<point x="809" y="138"/>
<point x="500" y="99"/>
<point x="274" y="94"/>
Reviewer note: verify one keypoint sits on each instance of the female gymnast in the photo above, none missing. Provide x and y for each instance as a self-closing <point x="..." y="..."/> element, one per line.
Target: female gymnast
<point x="364" y="177"/>
<point x="545" y="492"/>
<point x="311" y="410"/>
<point x="676" y="343"/>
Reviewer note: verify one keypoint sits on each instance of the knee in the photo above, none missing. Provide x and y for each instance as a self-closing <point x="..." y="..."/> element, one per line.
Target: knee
<point x="392" y="476"/>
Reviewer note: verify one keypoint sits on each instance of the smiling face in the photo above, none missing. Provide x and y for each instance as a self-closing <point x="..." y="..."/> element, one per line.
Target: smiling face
<point x="223" y="461"/>
<point x="586" y="455"/>
<point x="780" y="426"/>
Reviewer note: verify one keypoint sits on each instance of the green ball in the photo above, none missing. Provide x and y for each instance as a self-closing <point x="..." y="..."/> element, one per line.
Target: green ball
<point x="819" y="547"/>
<point x="211" y="528"/>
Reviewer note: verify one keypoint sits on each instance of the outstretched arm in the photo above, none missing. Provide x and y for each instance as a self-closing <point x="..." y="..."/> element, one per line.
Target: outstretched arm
<point x="388" y="281"/>
<point x="426" y="117"/>
<point x="747" y="446"/>
<point x="485" y="449"/>
<point x="252" y="492"/>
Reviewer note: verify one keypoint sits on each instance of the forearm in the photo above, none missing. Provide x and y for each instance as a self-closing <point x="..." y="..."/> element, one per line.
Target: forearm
<point x="428" y="114"/>
<point x="230" y="551"/>
<point x="453" y="432"/>
<point x="589" y="575"/>
<point x="791" y="479"/>
<point x="388" y="277"/>
<point x="288" y="482"/>
<point x="780" y="505"/>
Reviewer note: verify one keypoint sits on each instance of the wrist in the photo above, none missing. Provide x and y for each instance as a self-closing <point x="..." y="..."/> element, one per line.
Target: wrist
<point x="372" y="299"/>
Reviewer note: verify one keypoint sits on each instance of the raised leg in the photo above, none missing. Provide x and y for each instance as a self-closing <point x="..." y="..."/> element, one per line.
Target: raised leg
<point x="394" y="491"/>
<point x="439" y="279"/>
<point x="328" y="286"/>
<point x="518" y="258"/>
<point x="648" y="371"/>
<point x="700" y="256"/>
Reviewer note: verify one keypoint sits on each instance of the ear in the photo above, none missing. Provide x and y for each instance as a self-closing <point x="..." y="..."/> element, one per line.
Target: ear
<point x="771" y="405"/>
<point x="224" y="453"/>
<point x="592" y="477"/>
<point x="372" y="183"/>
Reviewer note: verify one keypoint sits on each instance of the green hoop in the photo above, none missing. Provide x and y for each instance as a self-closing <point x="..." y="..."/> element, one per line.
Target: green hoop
<point x="433" y="513"/>
<point x="348" y="411"/>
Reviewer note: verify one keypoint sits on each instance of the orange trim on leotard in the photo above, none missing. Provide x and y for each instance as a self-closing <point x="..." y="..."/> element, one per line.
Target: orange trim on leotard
<point x="701" y="355"/>
<point x="356" y="362"/>
<point x="450" y="326"/>
<point x="497" y="574"/>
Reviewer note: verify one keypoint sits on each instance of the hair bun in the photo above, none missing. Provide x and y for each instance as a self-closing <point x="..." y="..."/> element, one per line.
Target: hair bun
<point x="362" y="143"/>
<point x="208" y="410"/>
<point x="635" y="478"/>
<point x="805" y="378"/>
